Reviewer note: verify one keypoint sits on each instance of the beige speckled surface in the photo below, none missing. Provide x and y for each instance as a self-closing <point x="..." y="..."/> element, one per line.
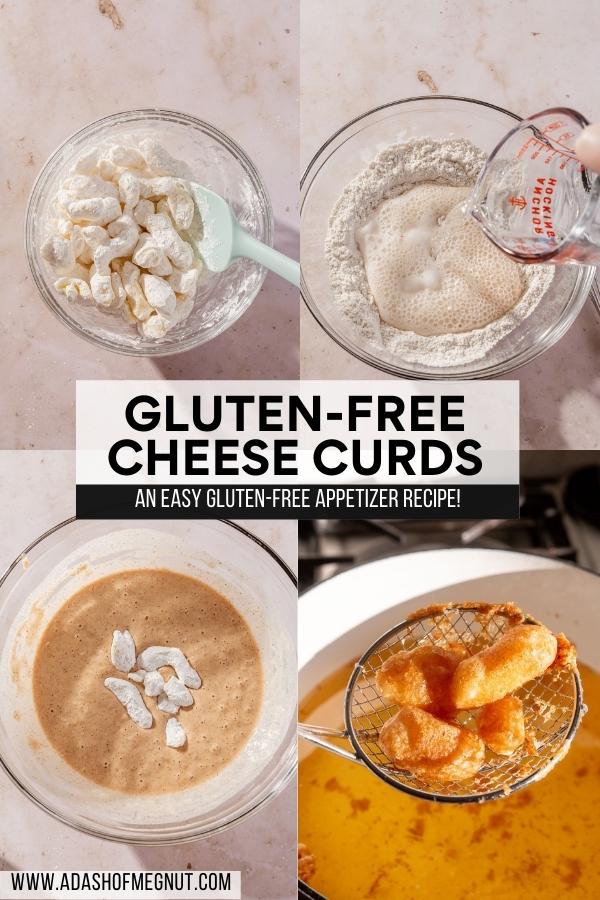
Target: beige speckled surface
<point x="522" y="56"/>
<point x="64" y="64"/>
<point x="38" y="488"/>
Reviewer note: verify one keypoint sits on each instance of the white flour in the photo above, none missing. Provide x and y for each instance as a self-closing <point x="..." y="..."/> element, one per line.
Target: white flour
<point x="394" y="171"/>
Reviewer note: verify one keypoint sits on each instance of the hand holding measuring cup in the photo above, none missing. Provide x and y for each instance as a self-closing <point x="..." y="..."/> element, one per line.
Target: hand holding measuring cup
<point x="587" y="147"/>
<point x="535" y="197"/>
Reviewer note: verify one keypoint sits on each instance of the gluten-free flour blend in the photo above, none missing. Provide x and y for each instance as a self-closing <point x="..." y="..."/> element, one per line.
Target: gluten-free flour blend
<point x="412" y="272"/>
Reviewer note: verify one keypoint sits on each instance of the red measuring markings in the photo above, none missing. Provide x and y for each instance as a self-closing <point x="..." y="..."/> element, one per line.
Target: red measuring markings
<point x="534" y="147"/>
<point x="518" y="201"/>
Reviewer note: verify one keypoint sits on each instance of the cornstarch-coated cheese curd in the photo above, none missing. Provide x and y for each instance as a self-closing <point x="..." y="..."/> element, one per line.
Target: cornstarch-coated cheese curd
<point x="121" y="236"/>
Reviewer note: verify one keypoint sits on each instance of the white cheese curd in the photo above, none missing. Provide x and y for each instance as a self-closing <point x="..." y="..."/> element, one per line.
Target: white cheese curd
<point x="122" y="651"/>
<point x="154" y="684"/>
<point x="139" y="676"/>
<point x="170" y="695"/>
<point x="153" y="658"/>
<point x="118" y="237"/>
<point x="175" y="732"/>
<point x="167" y="706"/>
<point x="129" y="696"/>
<point x="177" y="692"/>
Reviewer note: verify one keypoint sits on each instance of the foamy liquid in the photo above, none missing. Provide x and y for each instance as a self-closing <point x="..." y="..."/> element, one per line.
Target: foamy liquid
<point x="430" y="269"/>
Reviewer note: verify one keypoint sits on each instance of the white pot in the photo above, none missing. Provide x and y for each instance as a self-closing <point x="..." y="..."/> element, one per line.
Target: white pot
<point x="339" y="618"/>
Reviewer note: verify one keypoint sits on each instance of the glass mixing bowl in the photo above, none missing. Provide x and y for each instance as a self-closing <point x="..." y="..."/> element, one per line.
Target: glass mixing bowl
<point x="219" y="164"/>
<point x="221" y="554"/>
<point x="347" y="153"/>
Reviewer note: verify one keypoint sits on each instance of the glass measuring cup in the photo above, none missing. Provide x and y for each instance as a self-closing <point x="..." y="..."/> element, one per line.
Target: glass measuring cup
<point x="534" y="199"/>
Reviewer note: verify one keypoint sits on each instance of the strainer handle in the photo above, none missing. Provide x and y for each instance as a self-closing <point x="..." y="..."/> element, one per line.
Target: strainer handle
<point x="316" y="734"/>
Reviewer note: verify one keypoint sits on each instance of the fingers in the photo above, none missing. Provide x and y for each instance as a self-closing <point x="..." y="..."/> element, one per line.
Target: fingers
<point x="587" y="147"/>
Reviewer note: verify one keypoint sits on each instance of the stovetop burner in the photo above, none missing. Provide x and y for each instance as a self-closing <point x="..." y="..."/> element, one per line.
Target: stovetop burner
<point x="330" y="546"/>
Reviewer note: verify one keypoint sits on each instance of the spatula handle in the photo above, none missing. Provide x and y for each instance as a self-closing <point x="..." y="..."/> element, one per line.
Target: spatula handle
<point x="246" y="245"/>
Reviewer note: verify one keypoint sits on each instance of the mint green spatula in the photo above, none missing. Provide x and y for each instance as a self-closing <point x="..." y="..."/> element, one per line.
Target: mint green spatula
<point x="224" y="239"/>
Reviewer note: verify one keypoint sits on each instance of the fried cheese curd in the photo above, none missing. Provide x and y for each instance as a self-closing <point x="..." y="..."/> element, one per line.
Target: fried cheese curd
<point x="520" y="654"/>
<point x="306" y="863"/>
<point x="566" y="655"/>
<point x="431" y="685"/>
<point x="501" y="725"/>
<point x="420" y="677"/>
<point x="431" y="748"/>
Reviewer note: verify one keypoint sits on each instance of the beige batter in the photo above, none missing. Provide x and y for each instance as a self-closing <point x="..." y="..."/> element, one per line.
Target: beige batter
<point x="90" y="729"/>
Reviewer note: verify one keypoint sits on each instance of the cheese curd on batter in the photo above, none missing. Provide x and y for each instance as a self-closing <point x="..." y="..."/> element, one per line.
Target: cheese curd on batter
<point x="430" y="269"/>
<point x="93" y="732"/>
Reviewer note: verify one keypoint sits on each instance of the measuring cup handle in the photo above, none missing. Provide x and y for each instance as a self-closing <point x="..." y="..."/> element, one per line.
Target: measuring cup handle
<point x="315" y="734"/>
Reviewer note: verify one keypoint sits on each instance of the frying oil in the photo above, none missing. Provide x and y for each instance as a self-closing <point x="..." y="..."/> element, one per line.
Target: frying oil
<point x="370" y="840"/>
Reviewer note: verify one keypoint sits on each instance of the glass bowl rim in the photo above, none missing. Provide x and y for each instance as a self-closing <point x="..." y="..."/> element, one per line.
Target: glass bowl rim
<point x="579" y="293"/>
<point x="135" y="115"/>
<point x="284" y="770"/>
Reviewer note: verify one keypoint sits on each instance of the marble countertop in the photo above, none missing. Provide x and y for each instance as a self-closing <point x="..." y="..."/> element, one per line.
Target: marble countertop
<point x="38" y="488"/>
<point x="522" y="56"/>
<point x="65" y="64"/>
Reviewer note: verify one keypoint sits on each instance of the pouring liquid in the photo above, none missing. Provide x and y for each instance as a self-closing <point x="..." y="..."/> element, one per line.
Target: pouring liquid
<point x="529" y="217"/>
<point x="534" y="199"/>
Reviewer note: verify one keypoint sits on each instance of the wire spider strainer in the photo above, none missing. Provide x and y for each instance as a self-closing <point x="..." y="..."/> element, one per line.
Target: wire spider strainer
<point x="552" y="704"/>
